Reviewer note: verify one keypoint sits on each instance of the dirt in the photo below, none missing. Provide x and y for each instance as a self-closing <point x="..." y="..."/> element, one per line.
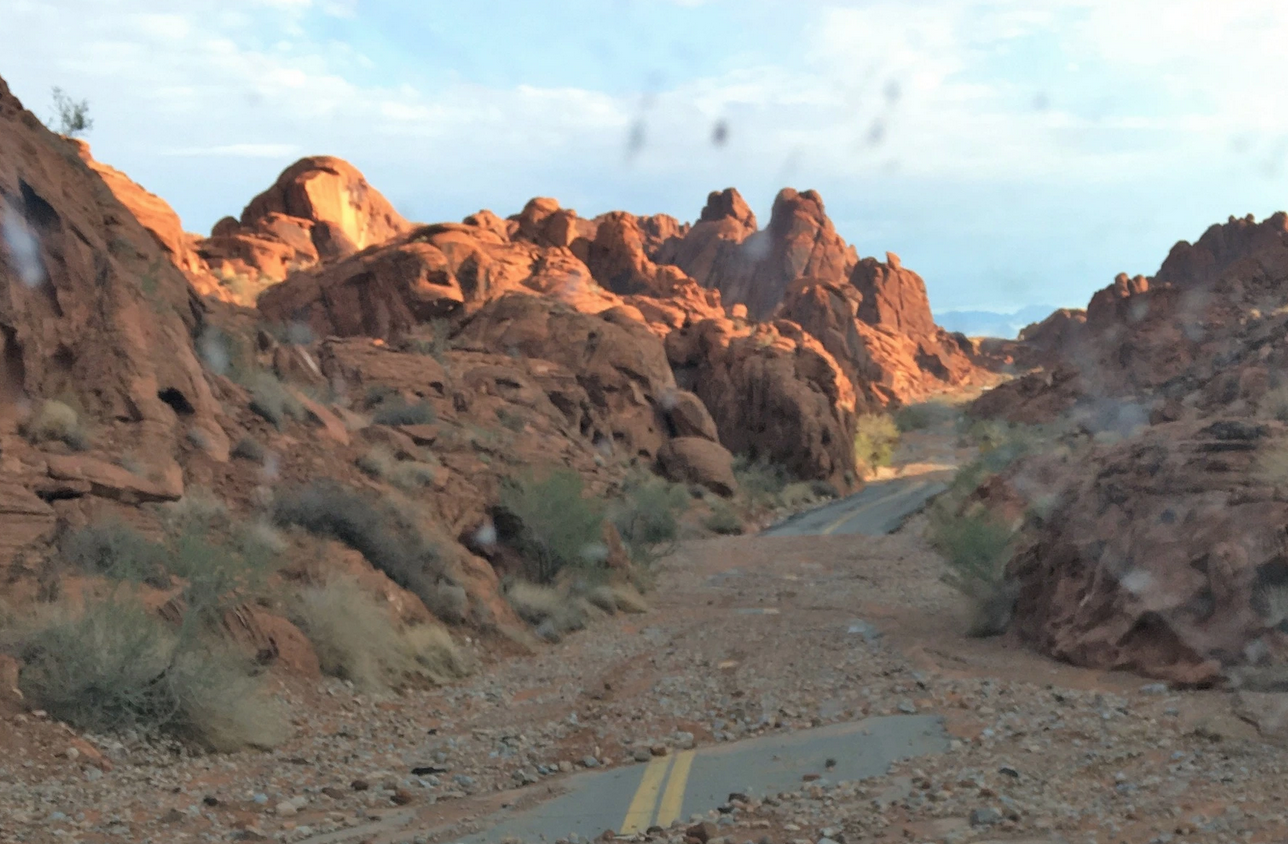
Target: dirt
<point x="746" y="636"/>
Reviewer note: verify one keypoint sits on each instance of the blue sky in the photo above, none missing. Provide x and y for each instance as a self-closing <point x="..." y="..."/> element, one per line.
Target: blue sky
<point x="1012" y="152"/>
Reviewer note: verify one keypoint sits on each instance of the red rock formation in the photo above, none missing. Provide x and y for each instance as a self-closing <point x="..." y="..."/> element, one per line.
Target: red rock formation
<point x="1160" y="554"/>
<point x="320" y="209"/>
<point x="774" y="392"/>
<point x="756" y="268"/>
<point x="90" y="305"/>
<point x="879" y="328"/>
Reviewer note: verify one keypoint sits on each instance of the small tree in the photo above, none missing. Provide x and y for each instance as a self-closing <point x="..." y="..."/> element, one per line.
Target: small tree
<point x="72" y="117"/>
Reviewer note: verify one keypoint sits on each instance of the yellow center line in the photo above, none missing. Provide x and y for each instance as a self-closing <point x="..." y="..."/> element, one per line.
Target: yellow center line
<point x="827" y="531"/>
<point x="641" y="809"/>
<point x="673" y="798"/>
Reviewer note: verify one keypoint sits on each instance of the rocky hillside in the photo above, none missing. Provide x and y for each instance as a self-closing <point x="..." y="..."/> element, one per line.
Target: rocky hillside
<point x="365" y="396"/>
<point x="1153" y="521"/>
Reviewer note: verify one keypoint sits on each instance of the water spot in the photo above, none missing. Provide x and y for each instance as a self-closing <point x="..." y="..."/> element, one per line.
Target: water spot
<point x="876" y="132"/>
<point x="1040" y="102"/>
<point x="485" y="536"/>
<point x="635" y="139"/>
<point x="720" y="134"/>
<point x="23" y="247"/>
<point x="893" y="91"/>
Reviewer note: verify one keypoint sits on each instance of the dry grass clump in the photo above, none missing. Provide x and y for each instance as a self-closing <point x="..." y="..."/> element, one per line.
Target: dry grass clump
<point x="553" y="612"/>
<point x="406" y="475"/>
<point x="116" y="667"/>
<point x="977" y="548"/>
<point x="723" y="519"/>
<point x="56" y="421"/>
<point x="357" y="640"/>
<point x="271" y="400"/>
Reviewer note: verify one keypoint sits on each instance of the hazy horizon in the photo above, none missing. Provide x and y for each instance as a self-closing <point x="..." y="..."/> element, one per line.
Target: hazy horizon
<point x="1011" y="153"/>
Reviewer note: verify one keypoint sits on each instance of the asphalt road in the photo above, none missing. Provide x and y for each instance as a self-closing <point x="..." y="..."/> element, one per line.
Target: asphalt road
<point x="879" y="508"/>
<point x="631" y="799"/>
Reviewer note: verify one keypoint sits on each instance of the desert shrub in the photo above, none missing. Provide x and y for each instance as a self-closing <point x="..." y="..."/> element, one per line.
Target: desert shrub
<point x="118" y="667"/>
<point x="647" y="517"/>
<point x="71" y="117"/>
<point x="552" y="612"/>
<point x="115" y="550"/>
<point x="760" y="481"/>
<point x="1272" y="465"/>
<point x="216" y="575"/>
<point x="388" y="538"/>
<point x="198" y="511"/>
<point x="357" y="640"/>
<point x="407" y="475"/>
<point x="875" y="438"/>
<point x="927" y="414"/>
<point x="271" y="400"/>
<point x="511" y="420"/>
<point x="57" y="421"/>
<point x="396" y="411"/>
<point x="378" y="462"/>
<point x="248" y="448"/>
<point x="560" y="527"/>
<point x="612" y="598"/>
<point x="977" y="548"/>
<point x="723" y="519"/>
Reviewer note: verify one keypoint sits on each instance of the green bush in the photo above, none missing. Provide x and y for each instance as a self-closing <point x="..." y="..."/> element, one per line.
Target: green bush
<point x="248" y="448"/>
<point x="560" y="527"/>
<point x="875" y="439"/>
<point x="117" y="667"/>
<point x="647" y="517"/>
<point x="553" y="612"/>
<point x="977" y="548"/>
<point x="388" y="538"/>
<point x="927" y="414"/>
<point x="760" y="482"/>
<point x="271" y="400"/>
<point x="357" y="640"/>
<point x="396" y="411"/>
<point x="117" y="551"/>
<point x="723" y="519"/>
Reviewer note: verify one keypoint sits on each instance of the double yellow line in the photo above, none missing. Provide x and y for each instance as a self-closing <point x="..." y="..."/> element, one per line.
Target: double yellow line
<point x="640" y="815"/>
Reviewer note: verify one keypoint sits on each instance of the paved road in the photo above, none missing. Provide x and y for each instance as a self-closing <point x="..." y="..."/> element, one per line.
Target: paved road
<point x="879" y="508"/>
<point x="631" y="799"/>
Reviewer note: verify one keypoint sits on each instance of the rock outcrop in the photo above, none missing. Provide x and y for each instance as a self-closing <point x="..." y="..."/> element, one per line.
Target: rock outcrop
<point x="320" y="209"/>
<point x="724" y="250"/>
<point x="1163" y="554"/>
<point x="775" y="394"/>
<point x="92" y="310"/>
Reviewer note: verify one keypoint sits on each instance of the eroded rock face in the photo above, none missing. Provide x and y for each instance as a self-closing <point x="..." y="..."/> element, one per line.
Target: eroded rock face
<point x="774" y="392"/>
<point x="91" y="307"/>
<point x="620" y="364"/>
<point x="1164" y="554"/>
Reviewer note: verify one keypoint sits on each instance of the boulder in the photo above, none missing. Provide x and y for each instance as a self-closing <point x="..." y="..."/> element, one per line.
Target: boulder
<point x="774" y="392"/>
<point x="696" y="460"/>
<point x="1162" y="554"/>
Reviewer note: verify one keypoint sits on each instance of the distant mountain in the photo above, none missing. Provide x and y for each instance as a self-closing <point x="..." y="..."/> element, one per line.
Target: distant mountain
<point x="993" y="323"/>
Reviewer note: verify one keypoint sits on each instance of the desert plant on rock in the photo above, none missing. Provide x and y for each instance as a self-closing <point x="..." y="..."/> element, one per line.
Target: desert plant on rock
<point x="56" y="421"/>
<point x="389" y="539"/>
<point x="271" y="400"/>
<point x="71" y="117"/>
<point x="553" y="612"/>
<point x="723" y="519"/>
<point x="115" y="550"/>
<point x="396" y="411"/>
<point x="760" y="482"/>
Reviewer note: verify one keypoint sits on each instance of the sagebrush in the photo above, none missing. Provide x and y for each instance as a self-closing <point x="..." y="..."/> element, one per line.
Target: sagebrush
<point x="559" y="527"/>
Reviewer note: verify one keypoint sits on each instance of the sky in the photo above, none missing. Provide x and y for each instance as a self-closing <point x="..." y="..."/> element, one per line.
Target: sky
<point x="1013" y="153"/>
